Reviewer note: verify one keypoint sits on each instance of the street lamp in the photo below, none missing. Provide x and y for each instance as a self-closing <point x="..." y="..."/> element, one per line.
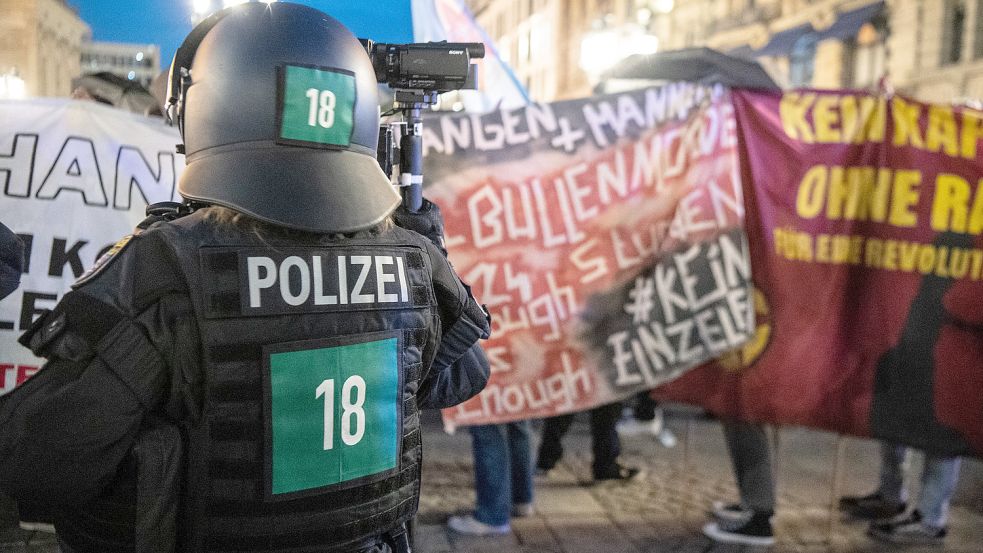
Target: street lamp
<point x="603" y="48"/>
<point x="663" y="6"/>
<point x="203" y="8"/>
<point x="12" y="87"/>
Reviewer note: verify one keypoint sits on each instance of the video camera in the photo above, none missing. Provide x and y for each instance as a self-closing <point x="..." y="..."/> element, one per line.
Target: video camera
<point x="417" y="73"/>
<point x="430" y="66"/>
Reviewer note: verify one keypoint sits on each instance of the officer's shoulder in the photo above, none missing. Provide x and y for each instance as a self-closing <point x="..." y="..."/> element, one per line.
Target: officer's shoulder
<point x="411" y="237"/>
<point x="141" y="250"/>
<point x="408" y="236"/>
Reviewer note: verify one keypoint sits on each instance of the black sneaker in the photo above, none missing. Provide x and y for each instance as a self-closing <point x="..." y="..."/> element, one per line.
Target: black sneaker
<point x="871" y="507"/>
<point x="755" y="531"/>
<point x="619" y="473"/>
<point x="907" y="529"/>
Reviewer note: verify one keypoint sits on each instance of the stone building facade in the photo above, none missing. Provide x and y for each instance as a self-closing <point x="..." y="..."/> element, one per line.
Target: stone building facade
<point x="41" y="43"/>
<point x="136" y="62"/>
<point x="930" y="49"/>
<point x="540" y="40"/>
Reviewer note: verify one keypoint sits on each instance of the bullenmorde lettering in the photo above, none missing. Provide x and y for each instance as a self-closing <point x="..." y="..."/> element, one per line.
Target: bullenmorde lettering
<point x="321" y="280"/>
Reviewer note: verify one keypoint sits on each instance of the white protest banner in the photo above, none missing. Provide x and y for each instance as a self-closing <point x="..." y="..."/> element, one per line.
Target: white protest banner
<point x="76" y="177"/>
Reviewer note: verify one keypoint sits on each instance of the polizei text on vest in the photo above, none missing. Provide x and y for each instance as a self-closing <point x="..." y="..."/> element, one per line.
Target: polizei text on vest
<point x="325" y="279"/>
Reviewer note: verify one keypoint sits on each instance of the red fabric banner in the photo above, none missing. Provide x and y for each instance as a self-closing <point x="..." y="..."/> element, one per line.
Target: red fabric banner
<point x="864" y="216"/>
<point x="605" y="237"/>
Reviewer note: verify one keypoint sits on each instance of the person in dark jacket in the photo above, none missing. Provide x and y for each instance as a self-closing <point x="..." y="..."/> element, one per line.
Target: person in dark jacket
<point x="11" y="261"/>
<point x="245" y="371"/>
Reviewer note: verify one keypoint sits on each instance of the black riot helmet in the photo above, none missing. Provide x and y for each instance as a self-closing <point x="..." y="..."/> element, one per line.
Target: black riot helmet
<point x="277" y="106"/>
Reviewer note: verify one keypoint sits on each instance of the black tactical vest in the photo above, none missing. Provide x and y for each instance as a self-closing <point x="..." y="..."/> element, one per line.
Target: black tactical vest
<point x="312" y="355"/>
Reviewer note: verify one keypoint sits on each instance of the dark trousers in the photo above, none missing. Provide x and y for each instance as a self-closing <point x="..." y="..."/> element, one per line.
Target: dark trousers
<point x="604" y="439"/>
<point x="750" y="455"/>
<point x="645" y="406"/>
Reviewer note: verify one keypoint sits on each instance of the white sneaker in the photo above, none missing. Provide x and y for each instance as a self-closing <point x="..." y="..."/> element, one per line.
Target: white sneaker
<point x="471" y="526"/>
<point x="667" y="438"/>
<point x="635" y="427"/>
<point x="521" y="510"/>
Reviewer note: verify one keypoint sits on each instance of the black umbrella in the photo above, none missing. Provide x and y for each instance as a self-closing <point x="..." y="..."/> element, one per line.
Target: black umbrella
<point x="697" y="65"/>
<point x="114" y="90"/>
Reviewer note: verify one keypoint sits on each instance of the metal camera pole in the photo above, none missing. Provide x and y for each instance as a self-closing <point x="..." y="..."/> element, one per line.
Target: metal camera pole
<point x="411" y="104"/>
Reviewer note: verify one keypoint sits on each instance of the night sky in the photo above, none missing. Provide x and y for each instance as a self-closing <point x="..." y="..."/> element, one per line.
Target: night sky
<point x="167" y="22"/>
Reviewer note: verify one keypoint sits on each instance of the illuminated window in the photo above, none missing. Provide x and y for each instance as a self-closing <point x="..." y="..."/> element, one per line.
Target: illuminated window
<point x="952" y="33"/>
<point x="867" y="56"/>
<point x="978" y="46"/>
<point x="802" y="61"/>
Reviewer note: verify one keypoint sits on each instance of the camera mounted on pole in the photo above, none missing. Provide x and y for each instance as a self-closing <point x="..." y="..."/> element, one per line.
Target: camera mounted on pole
<point x="418" y="73"/>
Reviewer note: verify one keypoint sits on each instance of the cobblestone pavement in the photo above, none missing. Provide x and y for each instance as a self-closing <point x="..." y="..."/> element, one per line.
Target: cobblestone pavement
<point x="663" y="510"/>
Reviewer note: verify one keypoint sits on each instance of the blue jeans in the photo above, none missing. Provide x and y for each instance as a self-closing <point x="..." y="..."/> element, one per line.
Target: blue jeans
<point x="502" y="469"/>
<point x="939" y="478"/>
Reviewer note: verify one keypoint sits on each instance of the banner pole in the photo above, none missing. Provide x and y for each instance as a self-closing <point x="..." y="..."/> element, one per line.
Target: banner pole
<point x="688" y="467"/>
<point x="776" y="460"/>
<point x="834" y="490"/>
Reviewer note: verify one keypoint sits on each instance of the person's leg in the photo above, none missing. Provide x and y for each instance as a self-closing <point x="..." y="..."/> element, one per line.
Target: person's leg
<point x="493" y="487"/>
<point x="550" y="449"/>
<point x="750" y="456"/>
<point x="890" y="497"/>
<point x="646" y="418"/>
<point x="893" y="461"/>
<point x="604" y="439"/>
<point x="520" y="461"/>
<point x="644" y="407"/>
<point x="926" y="524"/>
<point x="939" y="479"/>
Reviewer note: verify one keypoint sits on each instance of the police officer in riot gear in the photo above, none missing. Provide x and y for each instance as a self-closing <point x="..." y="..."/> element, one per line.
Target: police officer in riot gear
<point x="244" y="373"/>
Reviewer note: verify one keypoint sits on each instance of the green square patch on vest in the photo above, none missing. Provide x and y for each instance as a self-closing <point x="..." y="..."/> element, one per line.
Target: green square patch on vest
<point x="316" y="106"/>
<point x="333" y="413"/>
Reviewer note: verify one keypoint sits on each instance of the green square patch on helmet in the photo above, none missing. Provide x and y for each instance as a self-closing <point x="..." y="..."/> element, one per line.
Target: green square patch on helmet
<point x="277" y="105"/>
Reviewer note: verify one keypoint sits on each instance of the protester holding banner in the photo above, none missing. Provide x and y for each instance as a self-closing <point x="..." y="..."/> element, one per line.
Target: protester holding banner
<point x="747" y="522"/>
<point x="502" y="473"/>
<point x="605" y="444"/>
<point x="252" y="359"/>
<point x="503" y="478"/>
<point x="926" y="523"/>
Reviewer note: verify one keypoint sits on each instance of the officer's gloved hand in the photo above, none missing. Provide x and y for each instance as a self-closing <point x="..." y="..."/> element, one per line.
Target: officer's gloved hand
<point x="428" y="222"/>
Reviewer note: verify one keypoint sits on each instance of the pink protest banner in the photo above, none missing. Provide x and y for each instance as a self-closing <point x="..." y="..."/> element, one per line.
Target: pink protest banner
<point x="605" y="237"/>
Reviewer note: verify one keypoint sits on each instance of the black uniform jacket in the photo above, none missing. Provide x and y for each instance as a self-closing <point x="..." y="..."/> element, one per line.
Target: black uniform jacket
<point x="122" y="351"/>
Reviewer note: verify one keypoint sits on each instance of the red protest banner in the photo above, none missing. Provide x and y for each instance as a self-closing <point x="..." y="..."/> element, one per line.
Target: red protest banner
<point x="604" y="235"/>
<point x="864" y="216"/>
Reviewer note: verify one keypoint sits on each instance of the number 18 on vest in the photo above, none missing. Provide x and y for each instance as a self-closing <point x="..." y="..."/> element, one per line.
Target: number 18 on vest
<point x="333" y="413"/>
